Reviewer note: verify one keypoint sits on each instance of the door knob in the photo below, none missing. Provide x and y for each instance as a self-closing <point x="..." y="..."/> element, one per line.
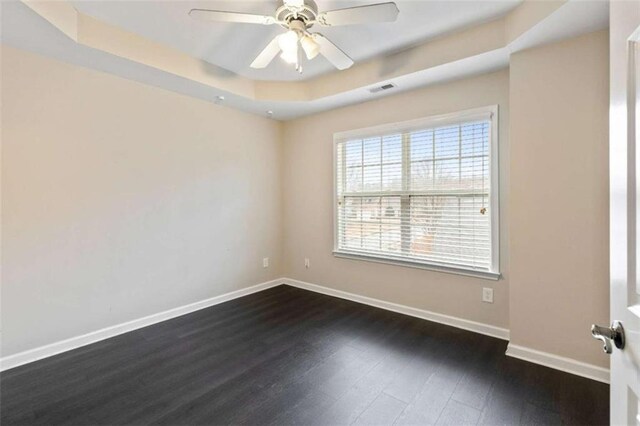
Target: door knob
<point x="607" y="334"/>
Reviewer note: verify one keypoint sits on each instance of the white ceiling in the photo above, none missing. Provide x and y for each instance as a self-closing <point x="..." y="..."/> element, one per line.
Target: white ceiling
<point x="234" y="46"/>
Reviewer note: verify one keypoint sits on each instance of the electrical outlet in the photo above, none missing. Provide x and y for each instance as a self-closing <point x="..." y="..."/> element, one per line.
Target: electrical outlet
<point x="487" y="295"/>
<point x="307" y="264"/>
<point x="265" y="262"/>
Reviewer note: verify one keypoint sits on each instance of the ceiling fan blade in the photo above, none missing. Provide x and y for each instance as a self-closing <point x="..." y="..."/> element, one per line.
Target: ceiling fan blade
<point x="373" y="13"/>
<point x="222" y="16"/>
<point x="337" y="57"/>
<point x="266" y="56"/>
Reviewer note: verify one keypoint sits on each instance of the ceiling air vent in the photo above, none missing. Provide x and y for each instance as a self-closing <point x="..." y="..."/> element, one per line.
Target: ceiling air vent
<point x="379" y="89"/>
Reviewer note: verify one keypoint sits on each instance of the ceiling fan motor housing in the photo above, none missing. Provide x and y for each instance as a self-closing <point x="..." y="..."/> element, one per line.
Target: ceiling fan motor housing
<point x="298" y="25"/>
<point x="306" y="14"/>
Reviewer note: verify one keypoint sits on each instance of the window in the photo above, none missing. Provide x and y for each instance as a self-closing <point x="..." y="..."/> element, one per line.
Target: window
<point x="422" y="193"/>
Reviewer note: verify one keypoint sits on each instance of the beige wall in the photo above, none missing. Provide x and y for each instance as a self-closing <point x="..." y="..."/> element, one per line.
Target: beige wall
<point x="554" y="200"/>
<point x="559" y="197"/>
<point x="122" y="200"/>
<point x="308" y="215"/>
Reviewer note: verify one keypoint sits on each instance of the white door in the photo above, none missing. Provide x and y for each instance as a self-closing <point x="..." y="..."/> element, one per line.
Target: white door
<point x="625" y="208"/>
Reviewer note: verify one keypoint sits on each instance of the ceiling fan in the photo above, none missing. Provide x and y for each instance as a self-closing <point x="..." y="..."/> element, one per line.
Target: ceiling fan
<point x="297" y="17"/>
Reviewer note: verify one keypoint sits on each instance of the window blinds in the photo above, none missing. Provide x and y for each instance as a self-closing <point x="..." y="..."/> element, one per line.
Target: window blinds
<point x="421" y="195"/>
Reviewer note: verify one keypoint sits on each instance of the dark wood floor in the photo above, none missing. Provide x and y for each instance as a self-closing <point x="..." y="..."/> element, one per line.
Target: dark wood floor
<point x="288" y="356"/>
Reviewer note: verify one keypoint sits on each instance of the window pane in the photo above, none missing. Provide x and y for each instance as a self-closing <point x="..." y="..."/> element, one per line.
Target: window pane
<point x="354" y="179"/>
<point x="390" y="211"/>
<point x="425" y="220"/>
<point x="390" y="236"/>
<point x="421" y="175"/>
<point x="350" y="223"/>
<point x="447" y="140"/>
<point x="353" y="153"/>
<point x="392" y="177"/>
<point x="447" y="174"/>
<point x="421" y="145"/>
<point x="372" y="151"/>
<point x="372" y="178"/>
<point x="371" y="223"/>
<point x="392" y="149"/>
<point x="473" y="140"/>
<point x="352" y="210"/>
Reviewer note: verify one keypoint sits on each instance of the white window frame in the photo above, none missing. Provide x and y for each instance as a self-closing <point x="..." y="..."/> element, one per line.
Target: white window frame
<point x="483" y="113"/>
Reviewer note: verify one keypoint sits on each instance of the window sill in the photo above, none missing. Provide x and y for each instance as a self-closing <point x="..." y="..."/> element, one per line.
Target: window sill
<point x="410" y="264"/>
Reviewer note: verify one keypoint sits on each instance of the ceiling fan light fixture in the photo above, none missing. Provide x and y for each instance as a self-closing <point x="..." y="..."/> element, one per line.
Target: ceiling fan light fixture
<point x="288" y="42"/>
<point x="290" y="57"/>
<point x="310" y="47"/>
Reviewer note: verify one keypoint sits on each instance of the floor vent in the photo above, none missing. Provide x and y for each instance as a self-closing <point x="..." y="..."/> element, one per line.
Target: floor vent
<point x="382" y="88"/>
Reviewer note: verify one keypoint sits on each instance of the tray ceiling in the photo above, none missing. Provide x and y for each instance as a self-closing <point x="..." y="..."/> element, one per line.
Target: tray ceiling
<point x="57" y="29"/>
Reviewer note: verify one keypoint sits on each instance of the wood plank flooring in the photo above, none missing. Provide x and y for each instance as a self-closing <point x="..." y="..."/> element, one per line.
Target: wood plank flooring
<point x="289" y="356"/>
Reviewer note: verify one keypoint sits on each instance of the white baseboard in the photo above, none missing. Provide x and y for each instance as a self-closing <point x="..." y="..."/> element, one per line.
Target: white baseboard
<point x="488" y="330"/>
<point x="567" y="365"/>
<point x="531" y="355"/>
<point x="32" y="355"/>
